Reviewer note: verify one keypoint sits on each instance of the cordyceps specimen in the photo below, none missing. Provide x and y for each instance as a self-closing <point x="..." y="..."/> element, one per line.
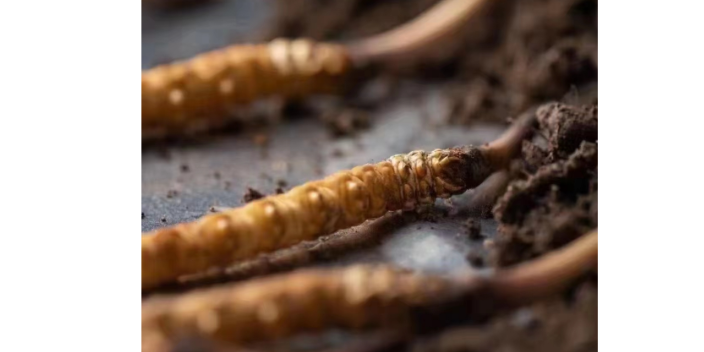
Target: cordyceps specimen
<point x="357" y="297"/>
<point x="317" y="208"/>
<point x="201" y="93"/>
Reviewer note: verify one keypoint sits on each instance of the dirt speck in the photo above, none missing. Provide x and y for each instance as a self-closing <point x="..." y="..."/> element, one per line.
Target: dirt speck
<point x="475" y="258"/>
<point x="261" y="139"/>
<point x="473" y="228"/>
<point x="252" y="194"/>
<point x="346" y="121"/>
<point x="337" y="153"/>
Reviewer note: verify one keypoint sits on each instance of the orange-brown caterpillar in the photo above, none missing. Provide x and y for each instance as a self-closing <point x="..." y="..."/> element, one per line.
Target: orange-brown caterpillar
<point x="202" y="92"/>
<point x="317" y="208"/>
<point x="314" y="209"/>
<point x="331" y="246"/>
<point x="356" y="297"/>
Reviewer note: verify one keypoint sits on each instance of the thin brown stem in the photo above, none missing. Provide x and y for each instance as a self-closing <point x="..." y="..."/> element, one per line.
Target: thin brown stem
<point x="502" y="150"/>
<point x="548" y="274"/>
<point x="420" y="33"/>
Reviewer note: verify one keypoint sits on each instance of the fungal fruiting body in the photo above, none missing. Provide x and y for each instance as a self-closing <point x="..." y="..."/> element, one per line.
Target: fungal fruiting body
<point x="355" y="297"/>
<point x="339" y="201"/>
<point x="203" y="92"/>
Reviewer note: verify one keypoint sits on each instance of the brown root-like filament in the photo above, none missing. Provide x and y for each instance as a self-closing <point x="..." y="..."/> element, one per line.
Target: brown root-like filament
<point x="547" y="274"/>
<point x="408" y="39"/>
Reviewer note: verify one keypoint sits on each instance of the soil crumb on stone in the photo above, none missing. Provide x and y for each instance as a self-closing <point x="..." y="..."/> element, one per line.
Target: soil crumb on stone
<point x="475" y="258"/>
<point x="473" y="228"/>
<point x="252" y="194"/>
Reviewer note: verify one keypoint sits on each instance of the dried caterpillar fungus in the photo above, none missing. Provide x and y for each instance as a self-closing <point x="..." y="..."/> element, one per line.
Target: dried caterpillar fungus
<point x="318" y="208"/>
<point x="311" y="210"/>
<point x="356" y="297"/>
<point x="201" y="93"/>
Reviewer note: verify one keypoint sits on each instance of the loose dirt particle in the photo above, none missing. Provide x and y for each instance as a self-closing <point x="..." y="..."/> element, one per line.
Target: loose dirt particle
<point x="473" y="228"/>
<point x="185" y="168"/>
<point x="252" y="194"/>
<point x="171" y="193"/>
<point x="475" y="258"/>
<point x="261" y="139"/>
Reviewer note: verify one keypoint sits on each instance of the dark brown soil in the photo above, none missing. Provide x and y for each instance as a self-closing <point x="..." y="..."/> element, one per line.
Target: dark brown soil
<point x="549" y="209"/>
<point x="515" y="54"/>
<point x="567" y="126"/>
<point x="552" y="202"/>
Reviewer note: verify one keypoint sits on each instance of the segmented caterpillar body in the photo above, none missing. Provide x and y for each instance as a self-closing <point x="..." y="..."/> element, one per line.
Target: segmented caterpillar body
<point x="203" y="92"/>
<point x="355" y="297"/>
<point x="308" y="211"/>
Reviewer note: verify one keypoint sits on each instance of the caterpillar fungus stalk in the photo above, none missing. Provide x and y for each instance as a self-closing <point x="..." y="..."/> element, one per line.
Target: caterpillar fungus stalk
<point x="318" y="208"/>
<point x="200" y="93"/>
<point x="355" y="297"/>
